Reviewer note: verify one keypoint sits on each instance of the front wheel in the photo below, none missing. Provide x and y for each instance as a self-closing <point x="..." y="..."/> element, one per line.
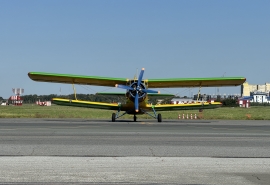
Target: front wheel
<point x="113" y="117"/>
<point x="159" y="118"/>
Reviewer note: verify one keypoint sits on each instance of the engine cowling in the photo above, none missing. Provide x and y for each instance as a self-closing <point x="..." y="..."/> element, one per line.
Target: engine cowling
<point x="136" y="88"/>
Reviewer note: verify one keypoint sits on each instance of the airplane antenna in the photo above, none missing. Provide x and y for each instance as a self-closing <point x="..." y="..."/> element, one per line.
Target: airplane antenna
<point x="136" y="75"/>
<point x="218" y="87"/>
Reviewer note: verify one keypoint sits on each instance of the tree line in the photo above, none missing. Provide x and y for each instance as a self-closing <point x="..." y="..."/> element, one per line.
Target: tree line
<point x="33" y="98"/>
<point x="29" y="99"/>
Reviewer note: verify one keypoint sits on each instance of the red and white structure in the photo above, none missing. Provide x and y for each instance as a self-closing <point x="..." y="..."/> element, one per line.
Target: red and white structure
<point x="245" y="103"/>
<point x="16" y="100"/>
<point x="44" y="103"/>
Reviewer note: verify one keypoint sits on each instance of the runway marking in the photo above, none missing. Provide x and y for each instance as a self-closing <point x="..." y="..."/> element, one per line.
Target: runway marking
<point x="230" y="129"/>
<point x="7" y="129"/>
<point x="240" y="130"/>
<point x="146" y="123"/>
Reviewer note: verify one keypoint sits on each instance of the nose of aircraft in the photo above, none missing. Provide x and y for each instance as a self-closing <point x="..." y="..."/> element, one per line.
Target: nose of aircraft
<point x="138" y="90"/>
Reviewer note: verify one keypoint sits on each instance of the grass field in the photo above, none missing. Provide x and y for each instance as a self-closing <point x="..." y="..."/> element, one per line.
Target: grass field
<point x="55" y="111"/>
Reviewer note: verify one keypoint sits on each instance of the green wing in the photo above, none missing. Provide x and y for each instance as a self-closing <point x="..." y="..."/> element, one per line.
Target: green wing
<point x="76" y="79"/>
<point x="195" y="82"/>
<point x="152" y="83"/>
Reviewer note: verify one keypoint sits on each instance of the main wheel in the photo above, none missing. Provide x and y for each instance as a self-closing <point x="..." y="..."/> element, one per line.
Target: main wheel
<point x="113" y="117"/>
<point x="159" y="118"/>
<point x="134" y="118"/>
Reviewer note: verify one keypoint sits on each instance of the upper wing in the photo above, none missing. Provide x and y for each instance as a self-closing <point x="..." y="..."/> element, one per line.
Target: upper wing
<point x="152" y="83"/>
<point x="76" y="79"/>
<point x="195" y="82"/>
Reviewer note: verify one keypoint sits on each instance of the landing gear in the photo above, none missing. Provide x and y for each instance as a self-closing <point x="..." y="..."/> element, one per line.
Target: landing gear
<point x="159" y="118"/>
<point x="134" y="118"/>
<point x="113" y="117"/>
<point x="156" y="116"/>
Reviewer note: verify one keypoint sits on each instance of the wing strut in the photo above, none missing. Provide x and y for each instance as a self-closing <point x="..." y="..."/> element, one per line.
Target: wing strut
<point x="199" y="93"/>
<point x="74" y="91"/>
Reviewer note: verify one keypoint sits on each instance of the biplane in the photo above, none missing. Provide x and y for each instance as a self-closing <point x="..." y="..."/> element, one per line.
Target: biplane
<point x="137" y="92"/>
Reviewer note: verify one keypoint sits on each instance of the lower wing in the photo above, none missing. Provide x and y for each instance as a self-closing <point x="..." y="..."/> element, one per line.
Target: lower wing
<point x="148" y="107"/>
<point x="187" y="106"/>
<point x="88" y="104"/>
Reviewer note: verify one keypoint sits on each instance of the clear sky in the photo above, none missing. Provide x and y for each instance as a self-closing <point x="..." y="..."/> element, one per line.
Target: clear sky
<point x="114" y="38"/>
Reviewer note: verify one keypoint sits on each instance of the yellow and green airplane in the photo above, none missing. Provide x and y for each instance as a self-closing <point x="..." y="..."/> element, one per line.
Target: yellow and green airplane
<point x="137" y="92"/>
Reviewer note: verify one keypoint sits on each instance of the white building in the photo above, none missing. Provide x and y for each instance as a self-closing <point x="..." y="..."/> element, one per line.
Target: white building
<point x="260" y="97"/>
<point x="184" y="101"/>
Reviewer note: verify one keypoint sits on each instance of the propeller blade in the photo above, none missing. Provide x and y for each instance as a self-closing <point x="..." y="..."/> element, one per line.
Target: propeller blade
<point x="136" y="102"/>
<point x="140" y="76"/>
<point x="124" y="87"/>
<point x="149" y="91"/>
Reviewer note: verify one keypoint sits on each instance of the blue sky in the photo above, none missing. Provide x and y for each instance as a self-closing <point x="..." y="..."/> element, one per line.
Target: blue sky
<point x="115" y="38"/>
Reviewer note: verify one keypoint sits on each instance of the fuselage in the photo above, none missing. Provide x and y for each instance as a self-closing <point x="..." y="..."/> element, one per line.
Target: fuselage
<point x="129" y="105"/>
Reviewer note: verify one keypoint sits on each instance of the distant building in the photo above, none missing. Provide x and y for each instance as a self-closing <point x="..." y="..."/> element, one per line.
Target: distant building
<point x="260" y="97"/>
<point x="4" y="102"/>
<point x="245" y="102"/>
<point x="43" y="103"/>
<point x="181" y="100"/>
<point x="184" y="101"/>
<point x="256" y="93"/>
<point x="257" y="97"/>
<point x="247" y="89"/>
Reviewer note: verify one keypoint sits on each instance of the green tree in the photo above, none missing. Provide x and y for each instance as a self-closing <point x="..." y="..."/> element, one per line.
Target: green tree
<point x="229" y="102"/>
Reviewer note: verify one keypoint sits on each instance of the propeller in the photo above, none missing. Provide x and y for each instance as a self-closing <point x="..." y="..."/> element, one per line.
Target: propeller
<point x="124" y="87"/>
<point x="137" y="90"/>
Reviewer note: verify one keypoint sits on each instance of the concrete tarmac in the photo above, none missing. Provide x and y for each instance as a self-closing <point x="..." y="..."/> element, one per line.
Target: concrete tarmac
<point x="56" y="151"/>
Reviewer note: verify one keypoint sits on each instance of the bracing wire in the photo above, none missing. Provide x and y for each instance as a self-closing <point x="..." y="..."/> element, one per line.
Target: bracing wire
<point x="177" y="92"/>
<point x="88" y="88"/>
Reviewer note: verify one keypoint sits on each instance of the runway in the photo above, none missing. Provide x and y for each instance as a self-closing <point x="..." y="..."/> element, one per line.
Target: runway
<point x="126" y="152"/>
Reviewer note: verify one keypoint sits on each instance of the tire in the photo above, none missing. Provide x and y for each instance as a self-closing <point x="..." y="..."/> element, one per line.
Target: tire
<point x="159" y="118"/>
<point x="113" y="117"/>
<point x="134" y="118"/>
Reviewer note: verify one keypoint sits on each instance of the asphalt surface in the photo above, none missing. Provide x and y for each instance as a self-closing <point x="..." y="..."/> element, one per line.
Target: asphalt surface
<point x="56" y="151"/>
